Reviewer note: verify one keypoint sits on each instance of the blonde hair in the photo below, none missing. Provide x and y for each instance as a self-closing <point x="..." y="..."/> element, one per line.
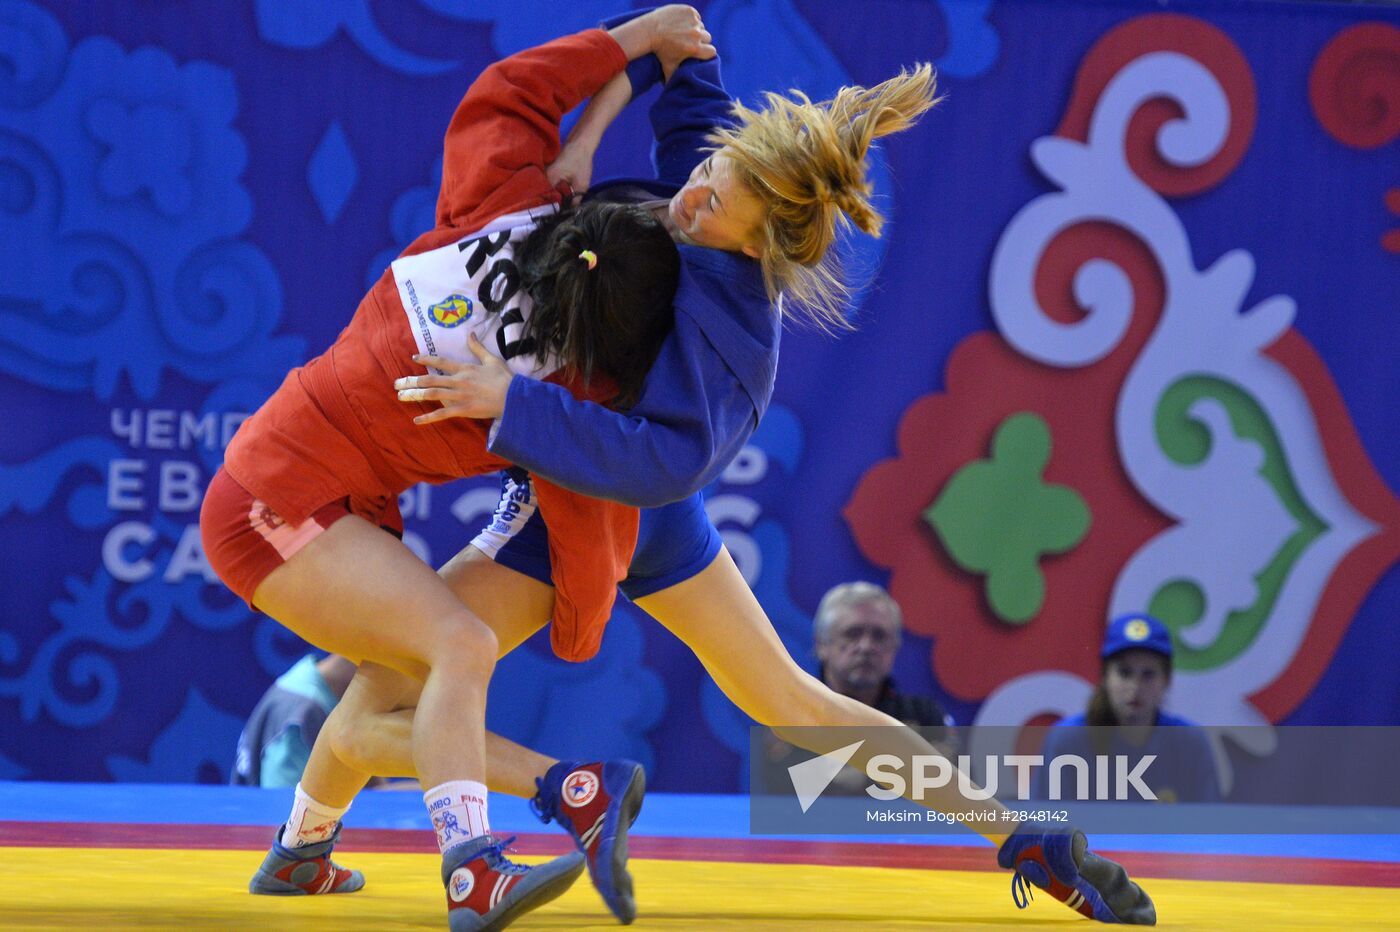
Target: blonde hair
<point x="806" y="162"/>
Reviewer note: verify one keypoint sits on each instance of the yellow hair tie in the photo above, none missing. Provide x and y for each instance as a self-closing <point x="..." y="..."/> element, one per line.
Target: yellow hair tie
<point x="590" y="257"/>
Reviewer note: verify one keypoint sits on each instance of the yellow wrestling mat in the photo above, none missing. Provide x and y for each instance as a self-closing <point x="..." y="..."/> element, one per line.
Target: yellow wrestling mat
<point x="134" y="888"/>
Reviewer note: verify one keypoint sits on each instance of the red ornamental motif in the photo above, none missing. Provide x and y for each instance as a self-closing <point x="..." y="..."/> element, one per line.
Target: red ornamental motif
<point x="1166" y="32"/>
<point x="1355" y="86"/>
<point x="1353" y="579"/>
<point x="987" y="381"/>
<point x="973" y="651"/>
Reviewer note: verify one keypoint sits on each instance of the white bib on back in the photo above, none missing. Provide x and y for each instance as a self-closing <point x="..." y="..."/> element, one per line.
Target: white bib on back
<point x="473" y="286"/>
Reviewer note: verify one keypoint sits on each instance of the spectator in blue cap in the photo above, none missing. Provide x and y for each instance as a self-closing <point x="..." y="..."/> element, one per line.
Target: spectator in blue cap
<point x="1125" y="716"/>
<point x="1137" y="669"/>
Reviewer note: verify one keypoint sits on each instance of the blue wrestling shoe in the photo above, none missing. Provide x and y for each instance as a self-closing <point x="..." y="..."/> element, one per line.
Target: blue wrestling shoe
<point x="1060" y="863"/>
<point x="304" y="871"/>
<point x="597" y="803"/>
<point x="486" y="891"/>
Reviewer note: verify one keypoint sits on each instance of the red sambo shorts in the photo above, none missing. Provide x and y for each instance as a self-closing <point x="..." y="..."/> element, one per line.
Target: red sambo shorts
<point x="245" y="540"/>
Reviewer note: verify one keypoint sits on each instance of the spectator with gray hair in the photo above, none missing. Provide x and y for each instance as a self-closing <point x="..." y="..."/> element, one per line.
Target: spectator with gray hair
<point x="857" y="632"/>
<point x="858" y="629"/>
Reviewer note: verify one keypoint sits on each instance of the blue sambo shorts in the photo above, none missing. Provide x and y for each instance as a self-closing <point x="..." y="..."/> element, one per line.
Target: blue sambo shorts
<point x="674" y="542"/>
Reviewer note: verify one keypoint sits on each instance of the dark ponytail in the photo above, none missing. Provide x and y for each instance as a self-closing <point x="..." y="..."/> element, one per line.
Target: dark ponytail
<point x="1100" y="710"/>
<point x="1099" y="716"/>
<point x="611" y="318"/>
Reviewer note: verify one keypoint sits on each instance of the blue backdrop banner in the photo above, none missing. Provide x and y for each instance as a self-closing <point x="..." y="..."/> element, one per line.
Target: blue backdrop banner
<point x="1128" y="343"/>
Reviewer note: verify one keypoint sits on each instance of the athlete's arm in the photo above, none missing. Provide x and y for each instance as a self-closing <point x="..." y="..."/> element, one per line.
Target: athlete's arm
<point x="695" y="413"/>
<point x="685" y="39"/>
<point x="692" y="104"/>
<point x="506" y="129"/>
<point x="507" y="124"/>
<point x="574" y="166"/>
<point x="694" y="416"/>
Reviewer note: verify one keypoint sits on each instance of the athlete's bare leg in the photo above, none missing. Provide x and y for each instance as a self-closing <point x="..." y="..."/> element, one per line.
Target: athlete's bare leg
<point x="337" y="591"/>
<point x="715" y="613"/>
<point x="369" y="730"/>
<point x="356" y="591"/>
<point x="717" y="616"/>
<point x="370" y="741"/>
<point x="335" y="777"/>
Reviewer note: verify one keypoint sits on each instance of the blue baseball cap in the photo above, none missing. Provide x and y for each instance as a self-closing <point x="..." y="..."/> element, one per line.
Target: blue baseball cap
<point x="1144" y="632"/>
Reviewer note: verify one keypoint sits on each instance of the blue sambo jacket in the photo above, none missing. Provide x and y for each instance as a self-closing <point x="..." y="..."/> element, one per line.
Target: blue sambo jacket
<point x="713" y="379"/>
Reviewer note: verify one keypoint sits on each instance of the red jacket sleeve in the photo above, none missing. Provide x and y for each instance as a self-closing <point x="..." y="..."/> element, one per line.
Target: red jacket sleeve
<point x="506" y="129"/>
<point x="591" y="541"/>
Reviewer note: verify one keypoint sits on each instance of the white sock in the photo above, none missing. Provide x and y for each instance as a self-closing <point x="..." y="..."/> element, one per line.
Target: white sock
<point x="310" y="821"/>
<point x="458" y="811"/>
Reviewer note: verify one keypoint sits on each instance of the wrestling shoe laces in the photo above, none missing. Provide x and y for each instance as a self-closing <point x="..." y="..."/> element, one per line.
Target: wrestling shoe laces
<point x="495" y="857"/>
<point x="1021" y="890"/>
<point x="486" y="891"/>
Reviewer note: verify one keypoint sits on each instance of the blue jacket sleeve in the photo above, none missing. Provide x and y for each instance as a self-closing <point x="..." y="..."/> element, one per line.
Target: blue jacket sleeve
<point x="691" y="104"/>
<point x="693" y="417"/>
<point x="696" y="412"/>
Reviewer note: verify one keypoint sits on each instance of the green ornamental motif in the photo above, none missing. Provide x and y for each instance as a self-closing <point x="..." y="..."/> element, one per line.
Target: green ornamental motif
<point x="997" y="517"/>
<point x="1180" y="604"/>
